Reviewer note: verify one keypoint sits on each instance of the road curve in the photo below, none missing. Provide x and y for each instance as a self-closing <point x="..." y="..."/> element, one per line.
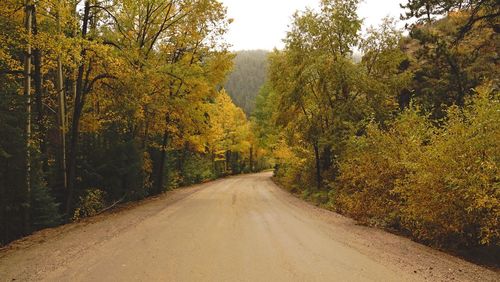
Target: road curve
<point x="240" y="228"/>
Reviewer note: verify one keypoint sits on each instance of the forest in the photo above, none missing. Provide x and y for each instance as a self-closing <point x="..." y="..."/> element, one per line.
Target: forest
<point x="112" y="101"/>
<point x="103" y="102"/>
<point x="247" y="77"/>
<point x="407" y="139"/>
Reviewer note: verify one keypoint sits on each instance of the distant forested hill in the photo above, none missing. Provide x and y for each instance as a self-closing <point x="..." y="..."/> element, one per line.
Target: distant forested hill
<point x="249" y="74"/>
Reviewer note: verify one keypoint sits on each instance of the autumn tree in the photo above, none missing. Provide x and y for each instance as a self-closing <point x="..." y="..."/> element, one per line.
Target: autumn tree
<point x="316" y="75"/>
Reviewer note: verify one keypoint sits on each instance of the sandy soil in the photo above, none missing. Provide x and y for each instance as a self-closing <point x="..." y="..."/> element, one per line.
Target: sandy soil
<point x="240" y="228"/>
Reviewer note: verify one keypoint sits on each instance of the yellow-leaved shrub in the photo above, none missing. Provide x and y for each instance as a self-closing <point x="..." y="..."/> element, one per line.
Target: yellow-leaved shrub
<point x="374" y="163"/>
<point x="453" y="194"/>
<point x="438" y="183"/>
<point x="289" y="170"/>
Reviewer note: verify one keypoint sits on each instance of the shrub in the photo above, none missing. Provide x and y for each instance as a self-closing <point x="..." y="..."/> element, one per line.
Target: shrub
<point x="440" y="184"/>
<point x="453" y="196"/>
<point x="90" y="204"/>
<point x="292" y="170"/>
<point x="320" y="198"/>
<point x="44" y="208"/>
<point x="197" y="168"/>
<point x="374" y="163"/>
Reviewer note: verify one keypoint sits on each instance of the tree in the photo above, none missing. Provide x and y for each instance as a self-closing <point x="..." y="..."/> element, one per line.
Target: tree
<point x="27" y="94"/>
<point x="230" y="139"/>
<point x="483" y="13"/>
<point x="445" y="71"/>
<point x="316" y="77"/>
<point x="386" y="76"/>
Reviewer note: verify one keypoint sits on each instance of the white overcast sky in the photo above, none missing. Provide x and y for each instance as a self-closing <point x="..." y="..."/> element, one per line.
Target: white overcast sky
<point x="262" y="24"/>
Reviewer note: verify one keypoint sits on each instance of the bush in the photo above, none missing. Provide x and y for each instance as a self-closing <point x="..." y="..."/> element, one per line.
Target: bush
<point x="320" y="198"/>
<point x="374" y="163"/>
<point x="197" y="168"/>
<point x="440" y="184"/>
<point x="293" y="169"/>
<point x="44" y="208"/>
<point x="90" y="204"/>
<point x="453" y="196"/>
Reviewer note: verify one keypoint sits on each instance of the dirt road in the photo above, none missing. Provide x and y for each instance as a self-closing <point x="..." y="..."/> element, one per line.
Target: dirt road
<point x="241" y="228"/>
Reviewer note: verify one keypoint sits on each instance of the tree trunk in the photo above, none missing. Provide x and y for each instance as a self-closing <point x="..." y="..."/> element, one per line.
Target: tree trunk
<point x="214" y="164"/>
<point x="318" y="165"/>
<point x="161" y="166"/>
<point x="3" y="203"/>
<point x="228" y="161"/>
<point x="77" y="112"/>
<point x="62" y="111"/>
<point x="37" y="79"/>
<point x="27" y="93"/>
<point x="251" y="158"/>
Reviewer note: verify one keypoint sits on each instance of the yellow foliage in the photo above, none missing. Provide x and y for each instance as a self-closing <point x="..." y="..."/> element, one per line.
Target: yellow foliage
<point x="438" y="183"/>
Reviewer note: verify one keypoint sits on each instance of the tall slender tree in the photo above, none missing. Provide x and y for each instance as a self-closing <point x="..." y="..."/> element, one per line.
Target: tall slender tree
<point x="27" y="94"/>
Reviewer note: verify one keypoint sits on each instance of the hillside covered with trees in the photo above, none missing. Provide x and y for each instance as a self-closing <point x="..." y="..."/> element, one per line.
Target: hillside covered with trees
<point x="408" y="138"/>
<point x="104" y="102"/>
<point x="247" y="77"/>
